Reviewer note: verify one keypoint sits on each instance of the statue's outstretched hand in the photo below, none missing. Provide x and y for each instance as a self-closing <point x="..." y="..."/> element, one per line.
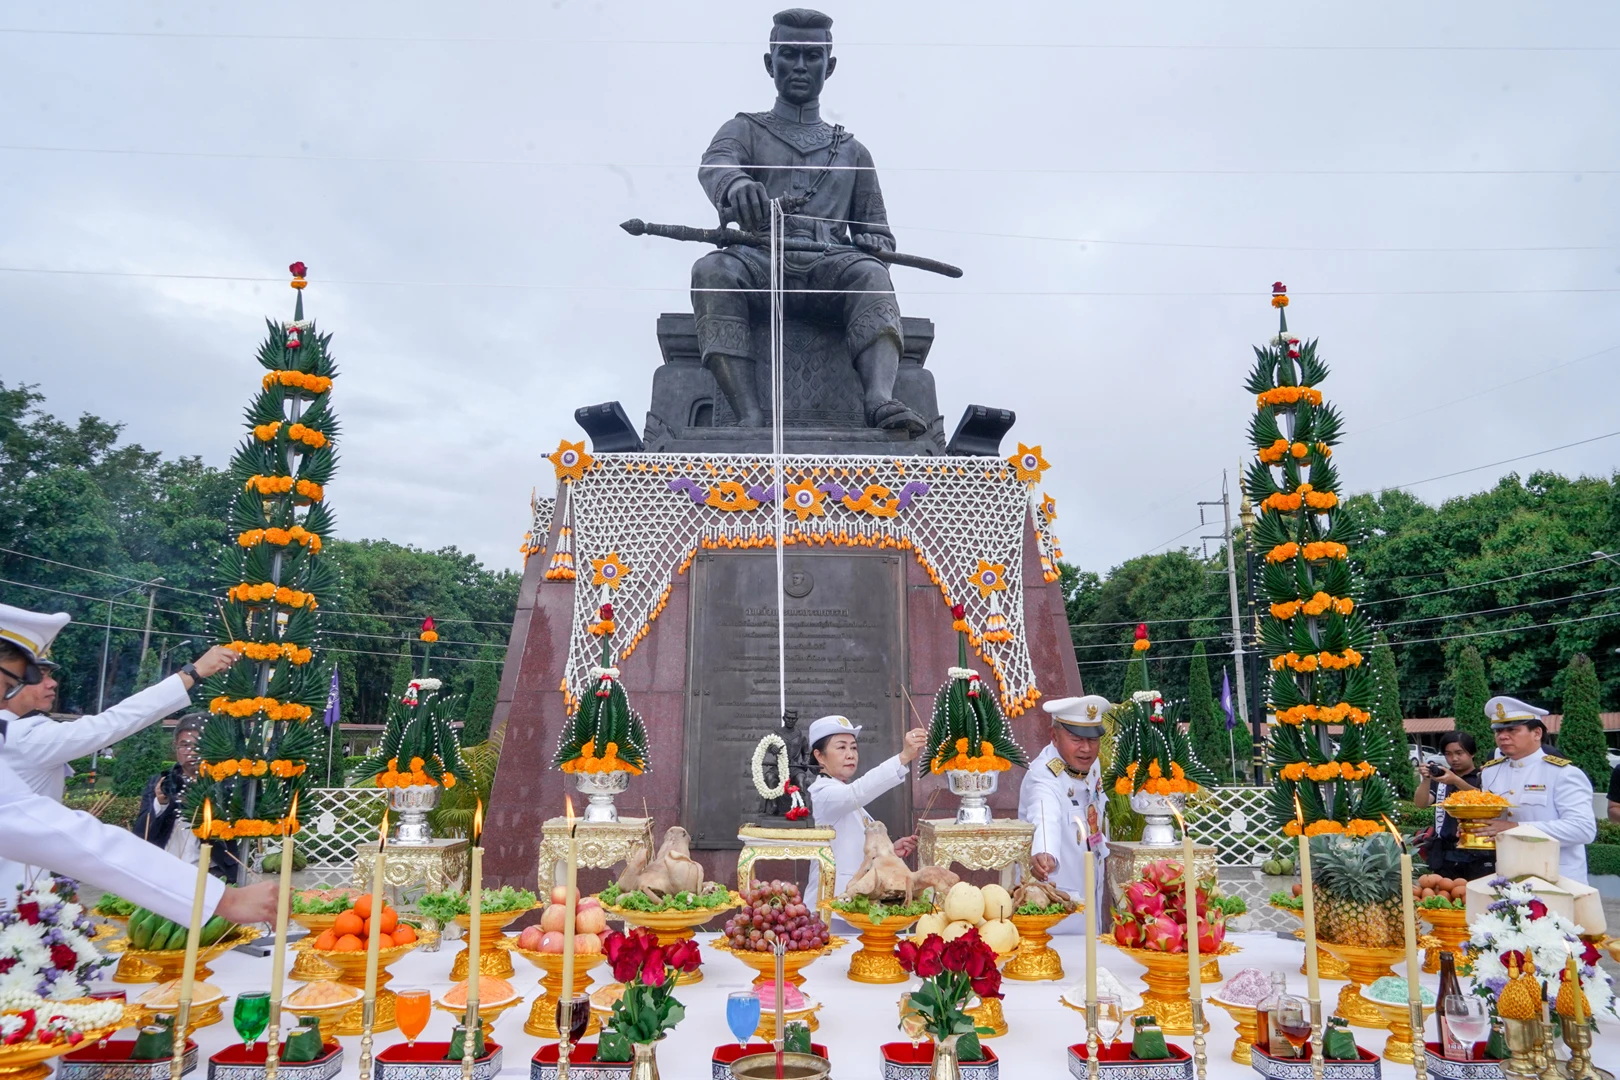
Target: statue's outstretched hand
<point x="874" y="241"/>
<point x="750" y="205"/>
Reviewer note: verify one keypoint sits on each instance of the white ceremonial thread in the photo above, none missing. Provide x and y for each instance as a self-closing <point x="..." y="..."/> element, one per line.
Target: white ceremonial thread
<point x="778" y="471"/>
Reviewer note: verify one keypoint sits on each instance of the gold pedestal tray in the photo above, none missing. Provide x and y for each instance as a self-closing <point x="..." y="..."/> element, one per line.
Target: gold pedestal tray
<point x="1398" y="1047"/>
<point x="1328" y="966"/>
<point x="351" y="968"/>
<point x="204" y="1012"/>
<point x="494" y="949"/>
<point x="1450" y="927"/>
<point x="166" y="964"/>
<point x="874" y="962"/>
<point x="767" y="1018"/>
<point x="130" y="969"/>
<point x="1469" y="819"/>
<point x="542" y="1020"/>
<point x="764" y="963"/>
<point x="673" y="926"/>
<point x="1366" y="965"/>
<point x="1248" y="1029"/>
<point x="988" y="1013"/>
<point x="27" y="1060"/>
<point x="307" y="965"/>
<point x="1036" y="960"/>
<point x="326" y="1017"/>
<point x="487" y="1013"/>
<point x="1169" y="984"/>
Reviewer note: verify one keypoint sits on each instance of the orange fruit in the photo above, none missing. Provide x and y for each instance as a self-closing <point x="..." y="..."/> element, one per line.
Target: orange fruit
<point x="404" y="934"/>
<point x="385" y="941"/>
<point x="390" y="919"/>
<point x="362" y="905"/>
<point x="349" y="943"/>
<point x="348" y="923"/>
<point x="327" y="941"/>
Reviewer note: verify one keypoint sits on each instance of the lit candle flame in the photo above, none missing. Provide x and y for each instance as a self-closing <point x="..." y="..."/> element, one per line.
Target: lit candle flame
<point x="382" y="833"/>
<point x="292" y="815"/>
<point x="568" y="809"/>
<point x="478" y="823"/>
<point x="1299" y="812"/>
<point x="1393" y="831"/>
<point x="207" y="819"/>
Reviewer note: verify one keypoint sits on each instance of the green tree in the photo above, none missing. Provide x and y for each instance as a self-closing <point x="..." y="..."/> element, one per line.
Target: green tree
<point x="486" y="687"/>
<point x="1580" y="737"/>
<point x="1470" y="691"/>
<point x="403" y="672"/>
<point x="138" y="757"/>
<point x="1136" y="674"/>
<point x="1208" y="734"/>
<point x="1386" y="713"/>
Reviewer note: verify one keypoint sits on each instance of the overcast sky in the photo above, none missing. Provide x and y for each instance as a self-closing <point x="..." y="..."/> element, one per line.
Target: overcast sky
<point x="1436" y="183"/>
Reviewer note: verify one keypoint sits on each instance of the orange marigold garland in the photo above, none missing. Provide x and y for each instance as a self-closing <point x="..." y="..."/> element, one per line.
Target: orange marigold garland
<point x="1314" y="634"/>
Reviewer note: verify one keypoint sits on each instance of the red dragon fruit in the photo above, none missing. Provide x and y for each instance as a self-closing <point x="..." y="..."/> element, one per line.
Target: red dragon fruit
<point x="1127" y="931"/>
<point x="1144" y="900"/>
<point x="1164" y="874"/>
<point x="1211" y="934"/>
<point x="1164" y="934"/>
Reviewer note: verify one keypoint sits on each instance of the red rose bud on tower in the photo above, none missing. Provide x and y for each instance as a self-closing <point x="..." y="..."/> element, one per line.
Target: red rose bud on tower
<point x="1142" y="644"/>
<point x="1279" y="295"/>
<point x="428" y="634"/>
<point x="298" y="270"/>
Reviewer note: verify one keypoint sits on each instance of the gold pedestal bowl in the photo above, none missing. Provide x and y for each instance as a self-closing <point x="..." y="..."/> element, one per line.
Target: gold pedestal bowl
<point x="1328" y="966"/>
<point x="1450" y="927"/>
<point x="1169" y="986"/>
<point x="326" y="1017"/>
<point x="166" y="964"/>
<point x="351" y="968"/>
<point x="26" y="1060"/>
<point x="673" y="926"/>
<point x="307" y="964"/>
<point x="494" y="948"/>
<point x="1036" y="960"/>
<point x="488" y="1013"/>
<point x="542" y="1020"/>
<point x="874" y="962"/>
<point x="1248" y="1029"/>
<point x="205" y="1011"/>
<point x="1366" y="965"/>
<point x="1398" y="1017"/>
<point x="764" y="963"/>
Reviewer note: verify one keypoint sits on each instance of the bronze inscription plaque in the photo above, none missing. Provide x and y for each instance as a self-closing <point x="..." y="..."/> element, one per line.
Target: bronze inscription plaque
<point x="846" y="653"/>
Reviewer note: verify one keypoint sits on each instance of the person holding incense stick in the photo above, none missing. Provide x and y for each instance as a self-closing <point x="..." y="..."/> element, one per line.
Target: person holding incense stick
<point x="838" y="800"/>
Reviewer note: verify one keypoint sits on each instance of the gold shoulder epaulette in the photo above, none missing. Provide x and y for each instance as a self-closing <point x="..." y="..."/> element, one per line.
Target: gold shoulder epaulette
<point x="1055" y="766"/>
<point x="1559" y="761"/>
<point x="1493" y="761"/>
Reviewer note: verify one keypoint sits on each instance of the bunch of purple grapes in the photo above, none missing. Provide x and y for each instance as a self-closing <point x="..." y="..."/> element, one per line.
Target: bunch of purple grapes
<point x="775" y="907"/>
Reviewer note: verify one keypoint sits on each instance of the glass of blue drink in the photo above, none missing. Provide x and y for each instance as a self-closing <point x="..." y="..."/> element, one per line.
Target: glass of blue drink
<point x="742" y="1015"/>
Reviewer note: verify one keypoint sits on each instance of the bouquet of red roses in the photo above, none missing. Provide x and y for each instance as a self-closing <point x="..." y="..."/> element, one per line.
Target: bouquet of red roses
<point x="649" y="973"/>
<point x="952" y="972"/>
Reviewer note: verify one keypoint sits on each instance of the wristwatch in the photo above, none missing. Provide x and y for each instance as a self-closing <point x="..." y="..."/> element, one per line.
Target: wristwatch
<point x="190" y="672"/>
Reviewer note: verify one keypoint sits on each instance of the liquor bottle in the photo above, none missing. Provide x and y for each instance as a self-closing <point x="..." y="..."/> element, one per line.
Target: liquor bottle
<point x="1451" y="1047"/>
<point x="1267" y="1039"/>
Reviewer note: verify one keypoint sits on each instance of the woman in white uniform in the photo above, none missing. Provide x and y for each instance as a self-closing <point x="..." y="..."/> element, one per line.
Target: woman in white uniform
<point x="838" y="799"/>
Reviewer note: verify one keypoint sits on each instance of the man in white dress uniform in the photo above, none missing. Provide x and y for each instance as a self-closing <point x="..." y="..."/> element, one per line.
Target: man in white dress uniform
<point x="38" y="748"/>
<point x="1551" y="791"/>
<point x="1062" y="797"/>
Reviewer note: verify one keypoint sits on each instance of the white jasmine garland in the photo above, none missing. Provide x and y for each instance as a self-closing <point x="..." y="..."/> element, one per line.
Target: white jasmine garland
<point x="961" y="673"/>
<point x="770" y="742"/>
<point x="599" y="673"/>
<point x="1142" y="697"/>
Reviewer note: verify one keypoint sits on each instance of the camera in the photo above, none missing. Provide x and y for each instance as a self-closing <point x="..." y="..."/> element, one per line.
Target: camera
<point x="1436" y="771"/>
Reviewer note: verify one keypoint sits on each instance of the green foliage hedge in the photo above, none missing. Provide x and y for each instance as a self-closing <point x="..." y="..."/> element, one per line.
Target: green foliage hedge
<point x="1603" y="859"/>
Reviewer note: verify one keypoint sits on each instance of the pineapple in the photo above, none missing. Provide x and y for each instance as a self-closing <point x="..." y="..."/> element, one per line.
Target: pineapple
<point x="1357" y="885"/>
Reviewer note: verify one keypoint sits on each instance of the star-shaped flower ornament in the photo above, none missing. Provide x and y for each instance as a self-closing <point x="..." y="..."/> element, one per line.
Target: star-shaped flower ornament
<point x="804" y="499"/>
<point x="1028" y="464"/>
<point x="990" y="578"/>
<point x="570" y="460"/>
<point x="608" y="571"/>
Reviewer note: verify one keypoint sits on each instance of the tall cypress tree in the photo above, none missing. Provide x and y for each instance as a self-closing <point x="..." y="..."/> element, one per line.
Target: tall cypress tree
<point x="404" y="671"/>
<point x="481" y="704"/>
<point x="1136" y="677"/>
<point x="1387" y="715"/>
<point x="1580" y="738"/>
<point x="1469" y="692"/>
<point x="1208" y="734"/>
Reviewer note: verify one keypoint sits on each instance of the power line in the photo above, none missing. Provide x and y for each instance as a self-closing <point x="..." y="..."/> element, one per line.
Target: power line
<point x="1068" y="46"/>
<point x="1043" y="170"/>
<point x="1491" y="465"/>
<point x="1246" y="294"/>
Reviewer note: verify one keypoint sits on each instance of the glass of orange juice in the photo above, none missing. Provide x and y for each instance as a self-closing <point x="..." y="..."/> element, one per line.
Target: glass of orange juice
<point x="411" y="1011"/>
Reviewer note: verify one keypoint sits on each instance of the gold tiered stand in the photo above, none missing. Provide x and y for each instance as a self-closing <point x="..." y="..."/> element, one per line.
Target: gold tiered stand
<point x="1248" y="1029"/>
<point x="351" y="968"/>
<point x="1367" y="964"/>
<point x="130" y="969"/>
<point x="308" y="965"/>
<point x="542" y="1021"/>
<point x="1036" y="960"/>
<point x="26" y="1060"/>
<point x="487" y="1013"/>
<point x="495" y="949"/>
<point x="764" y="963"/>
<point x="673" y="926"/>
<point x="326" y="1017"/>
<point x="1168" y="995"/>
<point x="161" y="965"/>
<point x="204" y="1012"/>
<point x="874" y="962"/>
<point x="1328" y="966"/>
<point x="1398" y="1016"/>
<point x="988" y="1012"/>
<point x="1451" y="934"/>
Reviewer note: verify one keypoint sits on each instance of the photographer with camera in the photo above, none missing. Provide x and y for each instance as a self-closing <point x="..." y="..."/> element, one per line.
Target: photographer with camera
<point x="163" y="800"/>
<point x="1437" y="781"/>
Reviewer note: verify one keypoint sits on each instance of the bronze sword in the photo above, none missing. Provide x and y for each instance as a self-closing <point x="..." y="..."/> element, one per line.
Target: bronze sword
<point x="731" y="237"/>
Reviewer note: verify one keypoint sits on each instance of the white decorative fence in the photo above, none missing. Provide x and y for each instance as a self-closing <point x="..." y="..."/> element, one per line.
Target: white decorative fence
<point x="1237" y="822"/>
<point x="335" y="820"/>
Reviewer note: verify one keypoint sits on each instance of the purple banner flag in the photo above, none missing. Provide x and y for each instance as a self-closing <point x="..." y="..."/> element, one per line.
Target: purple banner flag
<point x="333" y="706"/>
<point x="1226" y="698"/>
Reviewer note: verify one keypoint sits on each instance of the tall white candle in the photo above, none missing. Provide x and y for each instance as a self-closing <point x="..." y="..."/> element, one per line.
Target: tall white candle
<point x="475" y="907"/>
<point x="1313" y="987"/>
<point x="570" y="901"/>
<point x="1088" y="860"/>
<point x="377" y="882"/>
<point x="1195" y="976"/>
<point x="278" y="957"/>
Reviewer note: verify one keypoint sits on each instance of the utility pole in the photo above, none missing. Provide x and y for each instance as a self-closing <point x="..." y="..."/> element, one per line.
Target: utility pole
<point x="1225" y="504"/>
<point x="1257" y="710"/>
<point x="146" y="635"/>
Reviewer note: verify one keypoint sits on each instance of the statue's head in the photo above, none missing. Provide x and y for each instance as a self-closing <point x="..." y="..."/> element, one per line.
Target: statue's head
<point x="800" y="58"/>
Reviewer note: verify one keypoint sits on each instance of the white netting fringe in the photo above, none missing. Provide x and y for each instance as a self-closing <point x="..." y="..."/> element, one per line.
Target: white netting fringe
<point x="962" y="518"/>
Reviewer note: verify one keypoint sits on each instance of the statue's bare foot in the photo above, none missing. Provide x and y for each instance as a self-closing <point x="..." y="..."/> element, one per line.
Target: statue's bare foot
<point x="892" y="416"/>
<point x="752" y="418"/>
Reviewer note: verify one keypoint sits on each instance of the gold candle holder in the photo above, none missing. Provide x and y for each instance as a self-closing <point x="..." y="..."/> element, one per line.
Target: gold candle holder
<point x="368" y="1016"/>
<point x="1093" y="1044"/>
<point x="1200" y="1056"/>
<point x="1578" y="1037"/>
<point x="1420" y="1052"/>
<point x="1521" y="1042"/>
<point x="182" y="1018"/>
<point x="1318" y="1033"/>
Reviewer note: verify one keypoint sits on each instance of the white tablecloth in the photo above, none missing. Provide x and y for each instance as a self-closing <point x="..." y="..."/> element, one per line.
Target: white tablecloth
<point x="855" y="1018"/>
